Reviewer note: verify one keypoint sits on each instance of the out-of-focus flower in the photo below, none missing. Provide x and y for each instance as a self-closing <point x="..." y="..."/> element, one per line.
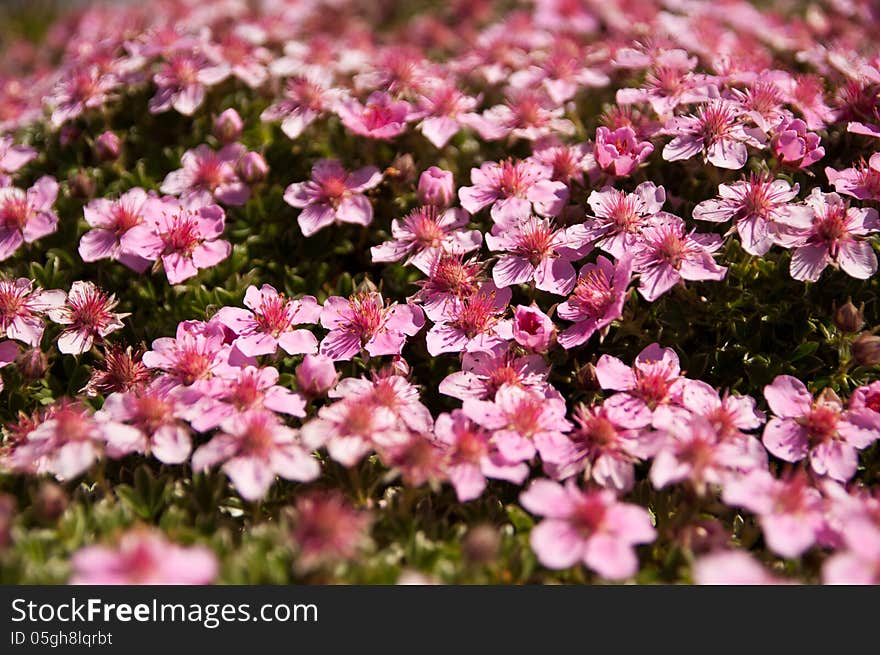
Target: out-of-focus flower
<point x="327" y="529"/>
<point x="26" y="216"/>
<point x="333" y="195"/>
<point x="144" y="557"/>
<point x="589" y="527"/>
<point x="254" y="447"/>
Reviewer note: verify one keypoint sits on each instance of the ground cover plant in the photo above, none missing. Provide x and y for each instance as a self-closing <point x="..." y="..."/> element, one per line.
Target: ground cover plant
<point x="326" y="291"/>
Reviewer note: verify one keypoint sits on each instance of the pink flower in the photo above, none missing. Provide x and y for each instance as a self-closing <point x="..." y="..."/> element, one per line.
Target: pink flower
<point x="364" y="322"/>
<point x="732" y="567"/>
<point x="473" y="323"/>
<point x="255" y="447"/>
<point x="80" y="89"/>
<point x="436" y="187"/>
<point x="14" y="157"/>
<point x="21" y="309"/>
<point x="235" y="392"/>
<point x="153" y="411"/>
<point x="692" y="450"/>
<point x="271" y="321"/>
<point x="606" y="451"/>
<point x="144" y="557"/>
<point x="514" y="189"/>
<point x="88" y="315"/>
<point x="26" y="216"/>
<point x="819" y="428"/>
<point x="316" y="375"/>
<point x="758" y="205"/>
<point x="306" y="98"/>
<point x="392" y="391"/>
<point x="618" y="152"/>
<point x="471" y="457"/>
<point x="350" y="428"/>
<point x="381" y="117"/>
<point x="561" y="74"/>
<point x="859" y="563"/>
<point x="183" y="235"/>
<point x="790" y="511"/>
<point x="586" y="526"/>
<point x="483" y="373"/>
<point x="327" y="529"/>
<point x="178" y="84"/>
<point x="236" y="56"/>
<point x="451" y="279"/>
<point x="618" y="217"/>
<point x="668" y="83"/>
<point x="717" y="131"/>
<point x="530" y="115"/>
<point x="110" y="220"/>
<point x="654" y="379"/>
<point x="568" y="162"/>
<point x="867" y="397"/>
<point x="532" y="328"/>
<point x="208" y="175"/>
<point x="523" y="423"/>
<point x="333" y="196"/>
<point x="424" y="231"/>
<point x="196" y="353"/>
<point x="861" y="181"/>
<point x="536" y="250"/>
<point x="596" y="301"/>
<point x="835" y="234"/>
<point x="67" y="443"/>
<point x="445" y="110"/>
<point x="794" y="146"/>
<point x="731" y="415"/>
<point x="668" y="254"/>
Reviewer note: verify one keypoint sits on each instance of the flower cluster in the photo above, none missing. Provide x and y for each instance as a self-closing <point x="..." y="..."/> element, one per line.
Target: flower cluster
<point x="417" y="272"/>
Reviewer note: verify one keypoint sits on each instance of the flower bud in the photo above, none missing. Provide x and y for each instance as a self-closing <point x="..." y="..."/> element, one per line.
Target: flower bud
<point x="316" y="375"/>
<point x="587" y="379"/>
<point x="33" y="364"/>
<point x="228" y="126"/>
<point x="532" y="328"/>
<point x="51" y="501"/>
<point x="252" y="168"/>
<point x="108" y="146"/>
<point x="403" y="168"/>
<point x="481" y="544"/>
<point x="436" y="187"/>
<point x="866" y="349"/>
<point x="81" y="185"/>
<point x="68" y="134"/>
<point x="848" y="318"/>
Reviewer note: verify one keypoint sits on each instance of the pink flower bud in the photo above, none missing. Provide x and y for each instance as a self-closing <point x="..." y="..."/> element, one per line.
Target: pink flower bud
<point x="252" y="168"/>
<point x="108" y="146"/>
<point x="316" y="375"/>
<point x="794" y="146"/>
<point x="620" y="152"/>
<point x="532" y="328"/>
<point x="228" y="126"/>
<point x="436" y="187"/>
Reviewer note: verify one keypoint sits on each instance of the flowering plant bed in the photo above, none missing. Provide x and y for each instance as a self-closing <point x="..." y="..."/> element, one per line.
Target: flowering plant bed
<point x="489" y="292"/>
